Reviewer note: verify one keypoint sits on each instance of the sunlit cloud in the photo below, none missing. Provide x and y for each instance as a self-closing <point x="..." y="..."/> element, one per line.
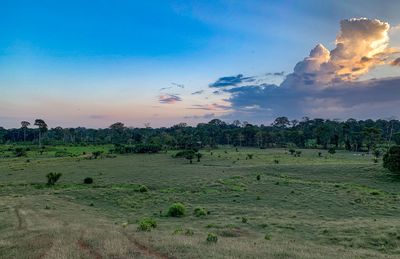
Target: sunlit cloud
<point x="395" y="62"/>
<point x="326" y="83"/>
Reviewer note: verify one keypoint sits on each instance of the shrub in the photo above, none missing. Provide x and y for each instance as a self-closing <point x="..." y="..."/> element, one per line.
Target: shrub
<point x="331" y="150"/>
<point x="62" y="153"/>
<point x="147" y="148"/>
<point x="198" y="212"/>
<point x="377" y="153"/>
<point x="143" y="188"/>
<point x="52" y="178"/>
<point x="96" y="154"/>
<point x="88" y="180"/>
<point x="146" y="224"/>
<point x="19" y="152"/>
<point x="176" y="210"/>
<point x="212" y="238"/>
<point x="391" y="160"/>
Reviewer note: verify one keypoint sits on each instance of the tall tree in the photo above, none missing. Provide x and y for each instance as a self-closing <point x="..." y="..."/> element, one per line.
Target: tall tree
<point x="24" y="126"/>
<point x="42" y="129"/>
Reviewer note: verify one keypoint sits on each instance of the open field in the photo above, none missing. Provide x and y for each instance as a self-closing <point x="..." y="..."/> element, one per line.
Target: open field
<point x="334" y="206"/>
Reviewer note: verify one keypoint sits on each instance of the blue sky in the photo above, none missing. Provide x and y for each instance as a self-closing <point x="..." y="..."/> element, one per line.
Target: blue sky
<point x="91" y="63"/>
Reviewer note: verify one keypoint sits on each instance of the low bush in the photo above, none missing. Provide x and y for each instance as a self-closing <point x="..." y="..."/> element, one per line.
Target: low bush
<point x="143" y="188"/>
<point x="88" y="180"/>
<point x="391" y="160"/>
<point x="212" y="238"/>
<point x="146" y="224"/>
<point x="198" y="212"/>
<point x="19" y="152"/>
<point x="332" y="150"/>
<point x="176" y="210"/>
<point x="52" y="178"/>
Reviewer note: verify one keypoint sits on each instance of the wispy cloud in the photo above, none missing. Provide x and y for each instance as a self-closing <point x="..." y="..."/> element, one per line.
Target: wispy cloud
<point x="231" y="81"/>
<point x="209" y="107"/>
<point x="178" y="85"/>
<point x="198" y="92"/>
<point x="169" y="98"/>
<point x="205" y="116"/>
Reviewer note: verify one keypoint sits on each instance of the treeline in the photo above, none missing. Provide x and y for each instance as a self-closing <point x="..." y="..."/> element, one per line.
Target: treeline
<point x="356" y="135"/>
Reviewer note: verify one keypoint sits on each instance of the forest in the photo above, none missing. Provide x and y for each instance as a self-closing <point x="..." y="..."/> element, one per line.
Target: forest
<point x="352" y="134"/>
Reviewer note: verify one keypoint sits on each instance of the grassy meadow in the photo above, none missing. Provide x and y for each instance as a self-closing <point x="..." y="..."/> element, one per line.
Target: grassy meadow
<point x="274" y="205"/>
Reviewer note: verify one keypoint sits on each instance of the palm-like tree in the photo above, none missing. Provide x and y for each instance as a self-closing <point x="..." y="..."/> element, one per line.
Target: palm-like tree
<point x="24" y="126"/>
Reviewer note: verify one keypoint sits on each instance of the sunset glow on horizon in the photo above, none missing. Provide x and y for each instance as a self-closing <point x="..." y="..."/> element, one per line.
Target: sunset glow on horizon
<point x="75" y="63"/>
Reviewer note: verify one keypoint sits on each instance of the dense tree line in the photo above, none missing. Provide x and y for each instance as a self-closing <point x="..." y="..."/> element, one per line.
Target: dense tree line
<point x="356" y="135"/>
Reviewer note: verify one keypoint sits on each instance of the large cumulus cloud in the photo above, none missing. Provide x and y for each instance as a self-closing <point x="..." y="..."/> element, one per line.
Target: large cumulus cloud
<point x="327" y="83"/>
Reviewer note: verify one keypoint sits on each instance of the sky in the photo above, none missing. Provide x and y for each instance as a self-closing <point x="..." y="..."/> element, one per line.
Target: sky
<point x="92" y="63"/>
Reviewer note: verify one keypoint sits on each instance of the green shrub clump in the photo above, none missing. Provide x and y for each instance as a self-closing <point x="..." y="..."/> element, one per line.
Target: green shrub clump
<point x="212" y="238"/>
<point x="19" y="152"/>
<point x="176" y="210"/>
<point x="198" y="212"/>
<point x="52" y="178"/>
<point x="391" y="160"/>
<point x="143" y="188"/>
<point x="146" y="224"/>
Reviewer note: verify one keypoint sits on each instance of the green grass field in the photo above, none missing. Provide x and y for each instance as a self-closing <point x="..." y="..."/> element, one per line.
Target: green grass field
<point x="335" y="206"/>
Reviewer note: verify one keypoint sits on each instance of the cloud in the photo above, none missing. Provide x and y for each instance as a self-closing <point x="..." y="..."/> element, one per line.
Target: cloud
<point x="282" y="73"/>
<point x="231" y="81"/>
<point x="178" y="85"/>
<point x="165" y="88"/>
<point x="327" y="83"/>
<point x="205" y="116"/>
<point x="395" y="62"/>
<point x="209" y="107"/>
<point x="198" y="92"/>
<point x="169" y="98"/>
<point x="98" y="116"/>
<point x="361" y="45"/>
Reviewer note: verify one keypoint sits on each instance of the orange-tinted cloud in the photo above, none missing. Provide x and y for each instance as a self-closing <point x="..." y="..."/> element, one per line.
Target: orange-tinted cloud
<point x="361" y="45"/>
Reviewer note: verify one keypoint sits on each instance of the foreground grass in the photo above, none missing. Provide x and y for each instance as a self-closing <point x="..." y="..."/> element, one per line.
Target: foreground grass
<point x="304" y="207"/>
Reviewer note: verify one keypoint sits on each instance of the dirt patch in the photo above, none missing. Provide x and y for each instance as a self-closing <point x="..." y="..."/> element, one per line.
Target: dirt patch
<point x="84" y="246"/>
<point x="145" y="250"/>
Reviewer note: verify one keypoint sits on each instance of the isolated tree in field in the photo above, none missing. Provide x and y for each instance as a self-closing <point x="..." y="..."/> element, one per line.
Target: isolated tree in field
<point x="42" y="129"/>
<point x="198" y="155"/>
<point x="52" y="178"/>
<point x="391" y="160"/>
<point x="24" y="126"/>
